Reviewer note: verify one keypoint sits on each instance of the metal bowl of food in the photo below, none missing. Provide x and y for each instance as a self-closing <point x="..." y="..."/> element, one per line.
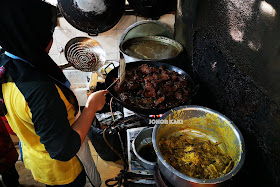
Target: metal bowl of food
<point x="196" y="145"/>
<point x="150" y="48"/>
<point x="142" y="147"/>
<point x="147" y="28"/>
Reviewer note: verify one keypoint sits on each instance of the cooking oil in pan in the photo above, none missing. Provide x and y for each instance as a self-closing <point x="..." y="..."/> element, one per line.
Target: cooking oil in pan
<point x="150" y="50"/>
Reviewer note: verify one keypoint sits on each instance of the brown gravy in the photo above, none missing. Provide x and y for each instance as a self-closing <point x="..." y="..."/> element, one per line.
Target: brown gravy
<point x="148" y="153"/>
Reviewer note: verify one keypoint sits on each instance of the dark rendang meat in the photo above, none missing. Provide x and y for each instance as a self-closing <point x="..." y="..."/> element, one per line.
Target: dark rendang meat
<point x="152" y="88"/>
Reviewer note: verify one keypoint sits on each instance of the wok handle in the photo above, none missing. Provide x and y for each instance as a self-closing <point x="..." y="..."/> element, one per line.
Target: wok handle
<point x="108" y="66"/>
<point x="91" y="32"/>
<point x="65" y="66"/>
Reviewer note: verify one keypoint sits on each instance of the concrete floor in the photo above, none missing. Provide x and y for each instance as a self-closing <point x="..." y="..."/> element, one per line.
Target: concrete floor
<point x="106" y="169"/>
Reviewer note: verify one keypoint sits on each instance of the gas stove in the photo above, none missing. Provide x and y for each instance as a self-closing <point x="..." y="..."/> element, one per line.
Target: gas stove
<point x="136" y="175"/>
<point x="133" y="162"/>
<point x="136" y="167"/>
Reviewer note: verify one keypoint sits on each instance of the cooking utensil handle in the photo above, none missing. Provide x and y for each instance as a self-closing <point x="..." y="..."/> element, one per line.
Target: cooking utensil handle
<point x="65" y="66"/>
<point x="108" y="66"/>
<point x="112" y="84"/>
<point x="93" y="81"/>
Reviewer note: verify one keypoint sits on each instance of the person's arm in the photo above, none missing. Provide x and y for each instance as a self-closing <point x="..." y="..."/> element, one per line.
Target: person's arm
<point x="50" y="114"/>
<point x="94" y="103"/>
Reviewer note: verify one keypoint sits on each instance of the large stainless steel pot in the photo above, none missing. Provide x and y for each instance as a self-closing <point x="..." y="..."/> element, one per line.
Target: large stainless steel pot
<point x="147" y="28"/>
<point x="161" y="54"/>
<point x="200" y="121"/>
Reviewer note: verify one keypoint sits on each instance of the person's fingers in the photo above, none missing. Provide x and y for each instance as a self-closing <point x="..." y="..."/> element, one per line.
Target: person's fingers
<point x="105" y="91"/>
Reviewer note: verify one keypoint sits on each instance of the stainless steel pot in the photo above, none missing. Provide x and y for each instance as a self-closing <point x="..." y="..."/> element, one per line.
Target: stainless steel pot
<point x="199" y="122"/>
<point x="142" y="139"/>
<point x="147" y="28"/>
<point x="161" y="54"/>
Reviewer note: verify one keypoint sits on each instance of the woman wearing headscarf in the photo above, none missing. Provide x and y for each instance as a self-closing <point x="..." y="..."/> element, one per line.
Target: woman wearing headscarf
<point x="37" y="101"/>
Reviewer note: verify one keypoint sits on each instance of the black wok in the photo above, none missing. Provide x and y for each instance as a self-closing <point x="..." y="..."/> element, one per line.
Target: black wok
<point x="131" y="66"/>
<point x="92" y="17"/>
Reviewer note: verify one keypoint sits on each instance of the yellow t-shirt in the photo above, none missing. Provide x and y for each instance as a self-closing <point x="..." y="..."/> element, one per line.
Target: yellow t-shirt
<point x="44" y="168"/>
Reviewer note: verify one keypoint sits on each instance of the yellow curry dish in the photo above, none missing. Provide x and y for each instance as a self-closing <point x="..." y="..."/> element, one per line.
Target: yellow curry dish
<point x="195" y="157"/>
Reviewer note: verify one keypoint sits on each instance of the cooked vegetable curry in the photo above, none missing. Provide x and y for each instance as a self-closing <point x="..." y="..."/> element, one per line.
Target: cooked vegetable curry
<point x="195" y="157"/>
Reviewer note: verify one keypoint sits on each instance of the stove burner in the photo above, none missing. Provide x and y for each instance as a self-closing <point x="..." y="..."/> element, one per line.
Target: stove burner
<point x="146" y="118"/>
<point x="156" y="116"/>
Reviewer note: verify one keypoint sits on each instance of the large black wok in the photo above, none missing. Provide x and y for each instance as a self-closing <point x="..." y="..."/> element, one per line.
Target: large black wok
<point x="92" y="16"/>
<point x="131" y="66"/>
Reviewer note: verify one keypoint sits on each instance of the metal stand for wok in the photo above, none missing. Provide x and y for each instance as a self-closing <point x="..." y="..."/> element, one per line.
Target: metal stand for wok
<point x="124" y="178"/>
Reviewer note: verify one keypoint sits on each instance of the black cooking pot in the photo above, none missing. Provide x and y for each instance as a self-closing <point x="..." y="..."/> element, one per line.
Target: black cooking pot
<point x="92" y="16"/>
<point x="133" y="65"/>
<point x="153" y="8"/>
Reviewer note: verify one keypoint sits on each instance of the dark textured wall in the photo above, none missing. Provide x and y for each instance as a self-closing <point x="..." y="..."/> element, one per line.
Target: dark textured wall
<point x="234" y="47"/>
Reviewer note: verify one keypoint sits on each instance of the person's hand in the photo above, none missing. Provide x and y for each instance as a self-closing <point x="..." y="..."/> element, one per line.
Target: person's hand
<point x="96" y="100"/>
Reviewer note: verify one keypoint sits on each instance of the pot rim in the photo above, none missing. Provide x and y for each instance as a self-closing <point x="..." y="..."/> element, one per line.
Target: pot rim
<point x="225" y="177"/>
<point x="144" y="22"/>
<point x="172" y="42"/>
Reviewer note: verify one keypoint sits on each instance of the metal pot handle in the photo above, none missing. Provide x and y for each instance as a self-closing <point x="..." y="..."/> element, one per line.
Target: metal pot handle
<point x="92" y="32"/>
<point x="108" y="66"/>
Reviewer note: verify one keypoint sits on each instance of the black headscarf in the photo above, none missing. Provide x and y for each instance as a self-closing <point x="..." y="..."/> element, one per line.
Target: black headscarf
<point x="26" y="28"/>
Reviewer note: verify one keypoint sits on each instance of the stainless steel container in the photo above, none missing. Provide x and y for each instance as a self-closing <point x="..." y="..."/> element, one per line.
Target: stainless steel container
<point x="147" y="28"/>
<point x="158" y="54"/>
<point x="142" y="139"/>
<point x="205" y="123"/>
